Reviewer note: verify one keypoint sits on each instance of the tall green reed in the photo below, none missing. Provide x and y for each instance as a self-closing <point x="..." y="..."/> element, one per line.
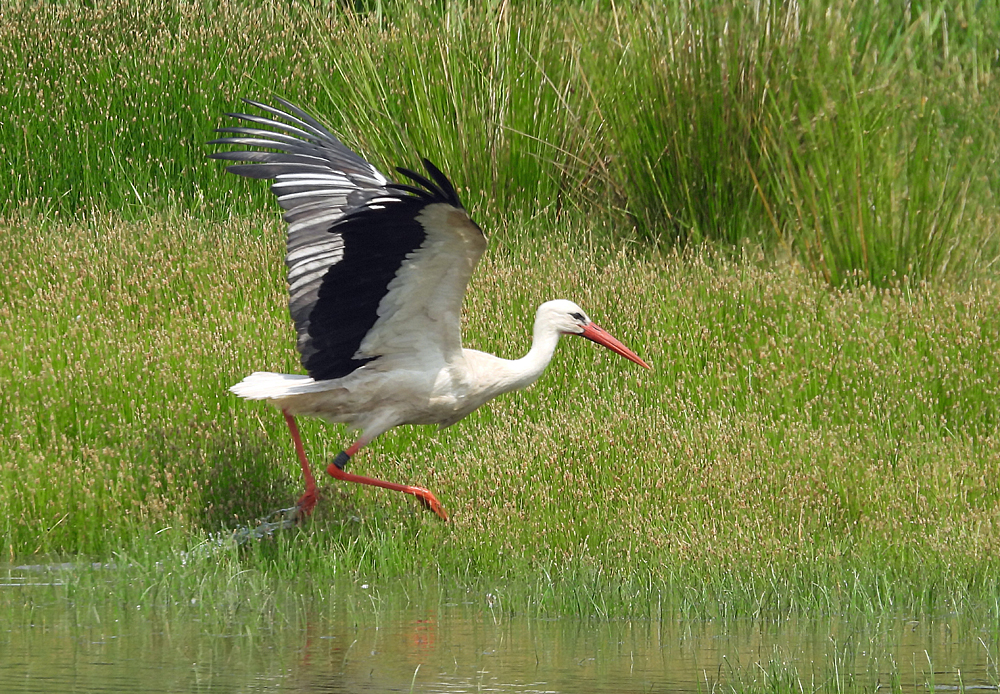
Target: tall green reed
<point x="857" y="137"/>
<point x="108" y="106"/>
<point x="877" y="165"/>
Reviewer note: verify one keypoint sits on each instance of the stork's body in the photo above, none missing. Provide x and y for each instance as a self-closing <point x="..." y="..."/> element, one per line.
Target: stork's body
<point x="377" y="272"/>
<point x="380" y="397"/>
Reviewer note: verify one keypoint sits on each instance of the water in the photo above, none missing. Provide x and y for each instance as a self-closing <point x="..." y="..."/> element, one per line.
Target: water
<point x="371" y="642"/>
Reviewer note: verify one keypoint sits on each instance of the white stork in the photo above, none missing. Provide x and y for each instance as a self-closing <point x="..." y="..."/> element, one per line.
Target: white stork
<point x="376" y="276"/>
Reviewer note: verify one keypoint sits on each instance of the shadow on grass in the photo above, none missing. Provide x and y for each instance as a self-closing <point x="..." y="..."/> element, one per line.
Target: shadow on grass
<point x="214" y="478"/>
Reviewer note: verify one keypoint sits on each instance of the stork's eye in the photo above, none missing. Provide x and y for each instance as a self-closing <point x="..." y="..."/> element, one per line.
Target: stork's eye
<point x="578" y="316"/>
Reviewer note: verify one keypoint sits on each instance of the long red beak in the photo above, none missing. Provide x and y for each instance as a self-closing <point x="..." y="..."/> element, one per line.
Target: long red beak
<point x="595" y="333"/>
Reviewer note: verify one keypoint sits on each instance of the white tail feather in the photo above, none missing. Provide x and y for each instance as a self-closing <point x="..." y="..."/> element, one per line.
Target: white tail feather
<point x="263" y="385"/>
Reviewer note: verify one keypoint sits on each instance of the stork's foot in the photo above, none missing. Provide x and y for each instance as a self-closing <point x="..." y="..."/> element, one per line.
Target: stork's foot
<point x="430" y="502"/>
<point x="305" y="505"/>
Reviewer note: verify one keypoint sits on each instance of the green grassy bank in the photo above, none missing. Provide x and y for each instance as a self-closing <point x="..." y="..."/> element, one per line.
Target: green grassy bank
<point x="790" y="212"/>
<point x="793" y="447"/>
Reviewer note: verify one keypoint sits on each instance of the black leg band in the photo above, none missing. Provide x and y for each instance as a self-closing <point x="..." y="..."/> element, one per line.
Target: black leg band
<point x="341" y="460"/>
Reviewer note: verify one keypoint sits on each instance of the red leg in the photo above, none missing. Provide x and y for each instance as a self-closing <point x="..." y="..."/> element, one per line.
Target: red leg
<point x="336" y="469"/>
<point x="309" y="498"/>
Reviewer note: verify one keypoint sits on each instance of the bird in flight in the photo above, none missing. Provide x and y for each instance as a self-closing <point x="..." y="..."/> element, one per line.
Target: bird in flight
<point x="377" y="272"/>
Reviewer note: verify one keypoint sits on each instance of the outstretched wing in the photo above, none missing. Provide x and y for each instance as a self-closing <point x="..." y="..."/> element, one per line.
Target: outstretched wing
<point x="375" y="268"/>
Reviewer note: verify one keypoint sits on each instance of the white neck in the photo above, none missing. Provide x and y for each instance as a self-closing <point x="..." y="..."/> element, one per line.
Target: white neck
<point x="489" y="376"/>
<point x="521" y="373"/>
<point x="543" y="346"/>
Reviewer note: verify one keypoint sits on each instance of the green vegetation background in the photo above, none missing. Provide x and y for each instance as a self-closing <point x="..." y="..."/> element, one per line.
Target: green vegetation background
<point x="789" y="209"/>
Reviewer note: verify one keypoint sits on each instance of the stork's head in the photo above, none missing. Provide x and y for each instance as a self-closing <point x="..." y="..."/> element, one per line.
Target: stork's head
<point x="569" y="319"/>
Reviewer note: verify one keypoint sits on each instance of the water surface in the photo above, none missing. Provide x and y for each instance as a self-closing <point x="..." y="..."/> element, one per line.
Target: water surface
<point x="366" y="639"/>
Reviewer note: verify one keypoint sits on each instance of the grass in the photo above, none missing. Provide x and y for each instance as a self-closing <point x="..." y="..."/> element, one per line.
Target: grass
<point x="790" y="212"/>
<point x="793" y="449"/>
<point x="859" y="138"/>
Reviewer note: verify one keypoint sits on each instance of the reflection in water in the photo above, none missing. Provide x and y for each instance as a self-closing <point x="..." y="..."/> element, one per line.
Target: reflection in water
<point x="365" y="641"/>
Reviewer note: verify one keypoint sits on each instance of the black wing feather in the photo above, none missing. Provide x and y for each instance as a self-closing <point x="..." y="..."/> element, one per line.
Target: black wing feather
<point x="348" y="298"/>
